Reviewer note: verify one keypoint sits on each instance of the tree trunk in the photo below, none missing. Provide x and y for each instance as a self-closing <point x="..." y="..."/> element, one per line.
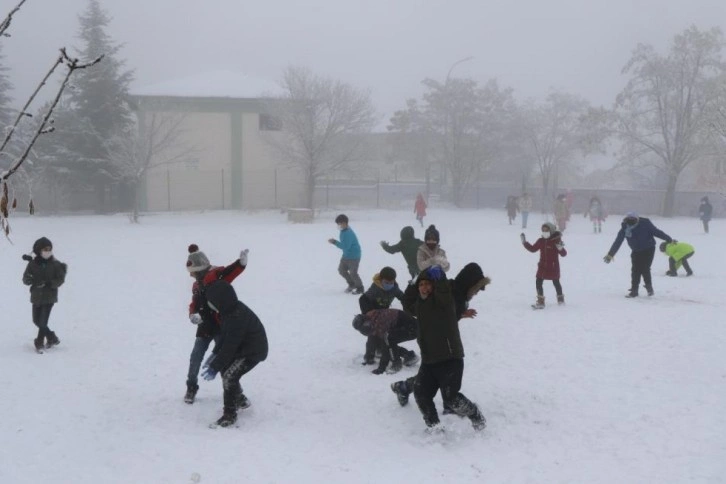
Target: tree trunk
<point x="309" y="191"/>
<point x="670" y="195"/>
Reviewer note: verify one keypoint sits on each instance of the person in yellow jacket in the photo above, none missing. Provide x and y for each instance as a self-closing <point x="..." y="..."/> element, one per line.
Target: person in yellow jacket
<point x="678" y="254"/>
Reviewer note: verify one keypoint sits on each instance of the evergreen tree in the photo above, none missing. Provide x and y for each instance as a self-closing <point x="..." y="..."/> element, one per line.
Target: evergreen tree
<point x="97" y="106"/>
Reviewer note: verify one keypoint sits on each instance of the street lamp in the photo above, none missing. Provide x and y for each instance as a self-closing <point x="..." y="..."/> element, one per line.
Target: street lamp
<point x="446" y="123"/>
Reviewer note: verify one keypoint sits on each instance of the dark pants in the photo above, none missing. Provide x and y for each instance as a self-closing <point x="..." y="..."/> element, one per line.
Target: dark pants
<point x="705" y="225"/>
<point x="445" y="376"/>
<point x="540" y="290"/>
<point x="684" y="263"/>
<point x="230" y="382"/>
<point x="348" y="269"/>
<point x="41" y="315"/>
<point x="640" y="267"/>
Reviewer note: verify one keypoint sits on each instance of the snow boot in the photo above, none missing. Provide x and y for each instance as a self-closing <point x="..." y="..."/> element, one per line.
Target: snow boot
<point x="410" y="359"/>
<point x="560" y="299"/>
<point x="689" y="273"/>
<point x="229" y="417"/>
<point x="191" y="393"/>
<point x="243" y="402"/>
<point x="540" y="304"/>
<point x="671" y="274"/>
<point x="477" y="420"/>
<point x="358" y="290"/>
<point x="349" y="289"/>
<point x="38" y="342"/>
<point x="650" y="290"/>
<point x="52" y="340"/>
<point x="632" y="293"/>
<point x="400" y="388"/>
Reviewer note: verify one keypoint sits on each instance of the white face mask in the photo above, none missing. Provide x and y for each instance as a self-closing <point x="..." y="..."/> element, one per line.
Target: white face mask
<point x="341" y="227"/>
<point x="46" y="254"/>
<point x="545" y="235"/>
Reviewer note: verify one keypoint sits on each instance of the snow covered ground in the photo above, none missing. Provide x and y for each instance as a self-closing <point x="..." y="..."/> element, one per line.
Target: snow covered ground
<point x="602" y="390"/>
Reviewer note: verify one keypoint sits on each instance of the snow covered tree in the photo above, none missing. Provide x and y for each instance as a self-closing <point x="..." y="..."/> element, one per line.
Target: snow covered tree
<point x="97" y="106"/>
<point x="6" y="111"/>
<point x="321" y="120"/>
<point x="664" y="111"/>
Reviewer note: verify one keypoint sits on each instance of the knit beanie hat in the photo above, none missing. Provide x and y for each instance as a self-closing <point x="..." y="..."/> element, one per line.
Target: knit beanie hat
<point x="41" y="244"/>
<point x="432" y="234"/>
<point x="197" y="261"/>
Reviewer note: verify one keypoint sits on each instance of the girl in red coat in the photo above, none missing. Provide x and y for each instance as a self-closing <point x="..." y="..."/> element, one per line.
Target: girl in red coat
<point x="420" y="208"/>
<point x="550" y="247"/>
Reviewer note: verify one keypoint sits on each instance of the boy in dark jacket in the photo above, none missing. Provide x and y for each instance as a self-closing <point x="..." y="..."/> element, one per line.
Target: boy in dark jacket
<point x="550" y="247"/>
<point x="44" y="274"/>
<point x="408" y="247"/>
<point x="387" y="328"/>
<point x="442" y="353"/>
<point x="640" y="234"/>
<point x="242" y="345"/>
<point x="379" y="296"/>
<point x="199" y="312"/>
<point x="705" y="209"/>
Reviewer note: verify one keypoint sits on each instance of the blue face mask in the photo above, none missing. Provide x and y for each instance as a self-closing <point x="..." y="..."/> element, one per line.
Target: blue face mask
<point x="387" y="286"/>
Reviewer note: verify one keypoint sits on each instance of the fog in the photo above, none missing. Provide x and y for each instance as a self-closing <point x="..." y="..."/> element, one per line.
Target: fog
<point x="388" y="47"/>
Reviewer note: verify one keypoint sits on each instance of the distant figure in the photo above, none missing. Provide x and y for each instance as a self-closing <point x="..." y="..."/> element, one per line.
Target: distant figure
<point x="596" y="213"/>
<point x="419" y="208"/>
<point x="512" y="208"/>
<point x="525" y="206"/>
<point x="569" y="200"/>
<point x="704" y="212"/>
<point x="562" y="213"/>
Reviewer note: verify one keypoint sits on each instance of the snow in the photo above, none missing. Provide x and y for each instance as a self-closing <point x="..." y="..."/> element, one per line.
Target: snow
<point x="224" y="84"/>
<point x="602" y="390"/>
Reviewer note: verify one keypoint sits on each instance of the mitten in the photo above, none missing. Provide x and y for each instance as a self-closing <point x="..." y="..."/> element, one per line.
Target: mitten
<point x="196" y="318"/>
<point x="209" y="374"/>
<point x="607" y="259"/>
<point x="435" y="273"/>
<point x="522" y="238"/>
<point x="243" y="257"/>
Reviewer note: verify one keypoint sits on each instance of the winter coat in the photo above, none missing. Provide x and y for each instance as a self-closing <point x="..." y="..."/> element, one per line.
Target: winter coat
<point x="438" y="325"/>
<point x="44" y="278"/>
<point x="349" y="244"/>
<point x="210" y="321"/>
<point x="426" y="258"/>
<point x="419" y="207"/>
<point x="678" y="250"/>
<point x="705" y="209"/>
<point x="595" y="211"/>
<point x="561" y="210"/>
<point x="470" y="279"/>
<point x="639" y="236"/>
<point x="242" y="334"/>
<point x="549" y="256"/>
<point x="408" y="246"/>
<point x="512" y="206"/>
<point x="378" y="298"/>
<point x="525" y="204"/>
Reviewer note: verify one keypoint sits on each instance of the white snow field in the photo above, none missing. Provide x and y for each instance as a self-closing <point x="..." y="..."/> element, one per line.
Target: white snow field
<point x="601" y="390"/>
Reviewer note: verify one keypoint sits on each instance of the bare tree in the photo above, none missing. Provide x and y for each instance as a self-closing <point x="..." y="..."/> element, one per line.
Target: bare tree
<point x="663" y="111"/>
<point x="156" y="140"/>
<point x="322" y="120"/>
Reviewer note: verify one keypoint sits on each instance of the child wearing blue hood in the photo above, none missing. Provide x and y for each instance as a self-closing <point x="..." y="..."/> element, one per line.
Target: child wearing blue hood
<point x="640" y="234"/>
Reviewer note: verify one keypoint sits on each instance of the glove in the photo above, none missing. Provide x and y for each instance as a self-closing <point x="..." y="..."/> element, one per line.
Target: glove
<point x="560" y="245"/>
<point x="27" y="258"/>
<point x="243" y="257"/>
<point x="196" y="318"/>
<point x="607" y="259"/>
<point x="209" y="374"/>
<point x="209" y="360"/>
<point x="523" y="238"/>
<point x="435" y="273"/>
<point x="383" y="243"/>
<point x="378" y="371"/>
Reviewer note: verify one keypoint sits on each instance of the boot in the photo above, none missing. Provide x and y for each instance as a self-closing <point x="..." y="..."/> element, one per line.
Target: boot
<point x="477" y="420"/>
<point x="191" y="393"/>
<point x="410" y="359"/>
<point x="650" y="290"/>
<point x="243" y="402"/>
<point x="540" y="304"/>
<point x="400" y="388"/>
<point x="52" y="340"/>
<point x="229" y="417"/>
<point x="38" y="342"/>
<point x="632" y="293"/>
<point x="560" y="299"/>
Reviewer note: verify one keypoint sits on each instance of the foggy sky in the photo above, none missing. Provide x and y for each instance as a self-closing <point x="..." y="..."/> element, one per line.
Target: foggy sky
<point x="388" y="46"/>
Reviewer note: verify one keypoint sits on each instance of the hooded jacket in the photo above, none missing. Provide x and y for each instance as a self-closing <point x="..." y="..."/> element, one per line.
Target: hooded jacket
<point x="469" y="281"/>
<point x="408" y="246"/>
<point x="677" y="251"/>
<point x="44" y="276"/>
<point x="378" y="298"/>
<point x="705" y="209"/>
<point x="548" y="266"/>
<point x="639" y="236"/>
<point x="242" y="334"/>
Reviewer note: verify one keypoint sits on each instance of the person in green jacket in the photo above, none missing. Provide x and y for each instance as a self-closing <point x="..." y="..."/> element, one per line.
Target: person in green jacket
<point x="407" y="246"/>
<point x="44" y="274"/>
<point x="678" y="254"/>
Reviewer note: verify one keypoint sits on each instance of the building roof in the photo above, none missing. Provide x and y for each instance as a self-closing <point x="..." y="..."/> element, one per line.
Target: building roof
<point x="216" y="84"/>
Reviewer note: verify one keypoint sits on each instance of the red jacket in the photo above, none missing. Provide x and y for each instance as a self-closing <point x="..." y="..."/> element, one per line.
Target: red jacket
<point x="549" y="256"/>
<point x="420" y="207"/>
<point x="210" y="326"/>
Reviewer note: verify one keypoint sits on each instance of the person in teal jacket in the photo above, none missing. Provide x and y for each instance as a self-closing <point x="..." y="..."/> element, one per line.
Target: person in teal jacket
<point x="350" y="261"/>
<point x="678" y="254"/>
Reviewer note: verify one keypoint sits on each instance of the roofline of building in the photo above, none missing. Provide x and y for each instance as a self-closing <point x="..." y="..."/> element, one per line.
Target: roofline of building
<point x="198" y="104"/>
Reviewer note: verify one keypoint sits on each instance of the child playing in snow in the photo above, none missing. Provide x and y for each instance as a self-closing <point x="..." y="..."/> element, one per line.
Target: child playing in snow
<point x="350" y="260"/>
<point x="596" y="213"/>
<point x="408" y="247"/>
<point x="562" y="211"/>
<point x="430" y="253"/>
<point x="678" y="254"/>
<point x="242" y="345"/>
<point x="387" y="328"/>
<point x="199" y="312"/>
<point x="380" y="295"/>
<point x="550" y="247"/>
<point x="419" y="208"/>
<point x="44" y="274"/>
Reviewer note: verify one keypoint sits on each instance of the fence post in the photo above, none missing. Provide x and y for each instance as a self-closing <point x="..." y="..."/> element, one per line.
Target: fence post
<point x="168" y="191"/>
<point x="222" y="188"/>
<point x="327" y="193"/>
<point x="378" y="190"/>
<point x="275" y="181"/>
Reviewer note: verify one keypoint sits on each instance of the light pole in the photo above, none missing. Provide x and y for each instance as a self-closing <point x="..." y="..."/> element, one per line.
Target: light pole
<point x="447" y="145"/>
